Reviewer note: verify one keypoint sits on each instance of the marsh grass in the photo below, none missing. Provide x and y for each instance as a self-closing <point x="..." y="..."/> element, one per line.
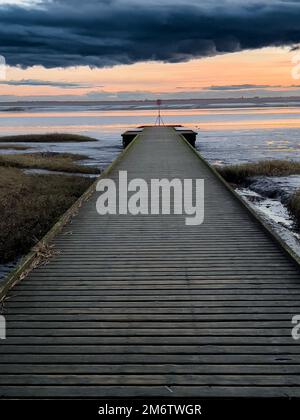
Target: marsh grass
<point x="13" y="147"/>
<point x="46" y="138"/>
<point x="239" y="173"/>
<point x="64" y="162"/>
<point x="30" y="205"/>
<point x="294" y="206"/>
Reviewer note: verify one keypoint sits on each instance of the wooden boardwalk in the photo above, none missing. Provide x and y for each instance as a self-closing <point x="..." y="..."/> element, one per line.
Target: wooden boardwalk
<point x="147" y="306"/>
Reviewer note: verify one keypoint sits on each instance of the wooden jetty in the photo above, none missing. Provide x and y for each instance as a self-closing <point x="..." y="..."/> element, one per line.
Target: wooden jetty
<point x="147" y="306"/>
<point x="189" y="135"/>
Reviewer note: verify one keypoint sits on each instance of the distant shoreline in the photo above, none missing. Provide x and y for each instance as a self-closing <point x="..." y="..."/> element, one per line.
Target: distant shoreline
<point x="192" y="103"/>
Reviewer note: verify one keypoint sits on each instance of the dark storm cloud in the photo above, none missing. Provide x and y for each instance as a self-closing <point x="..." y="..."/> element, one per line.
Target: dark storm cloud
<point x="108" y="32"/>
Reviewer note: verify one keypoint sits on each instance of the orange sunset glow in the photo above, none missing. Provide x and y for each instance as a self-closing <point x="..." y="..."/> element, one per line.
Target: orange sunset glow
<point x="266" y="67"/>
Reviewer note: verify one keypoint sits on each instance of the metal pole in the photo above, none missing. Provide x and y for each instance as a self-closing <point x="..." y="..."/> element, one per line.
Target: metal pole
<point x="159" y="120"/>
<point x="159" y="114"/>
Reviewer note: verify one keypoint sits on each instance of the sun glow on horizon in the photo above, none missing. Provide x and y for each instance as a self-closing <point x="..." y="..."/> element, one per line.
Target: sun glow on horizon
<point x="269" y="68"/>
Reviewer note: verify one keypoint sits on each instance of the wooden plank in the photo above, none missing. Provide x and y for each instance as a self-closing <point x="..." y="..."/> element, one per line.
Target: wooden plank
<point x="65" y="297"/>
<point x="155" y="311"/>
<point x="150" y="293"/>
<point x="219" y="323"/>
<point x="143" y="368"/>
<point x="151" y="304"/>
<point x="127" y="332"/>
<point x="192" y="317"/>
<point x="129" y="286"/>
<point x="150" y="380"/>
<point x="144" y="340"/>
<point x="151" y="358"/>
<point x="107" y="391"/>
<point x="148" y="350"/>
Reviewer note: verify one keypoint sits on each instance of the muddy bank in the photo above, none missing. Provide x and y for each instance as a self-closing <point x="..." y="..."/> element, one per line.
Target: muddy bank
<point x="280" y="188"/>
<point x="269" y="196"/>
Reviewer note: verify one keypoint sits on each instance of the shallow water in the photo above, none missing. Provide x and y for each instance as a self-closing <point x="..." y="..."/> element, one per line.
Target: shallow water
<point x="241" y="146"/>
<point x="226" y="135"/>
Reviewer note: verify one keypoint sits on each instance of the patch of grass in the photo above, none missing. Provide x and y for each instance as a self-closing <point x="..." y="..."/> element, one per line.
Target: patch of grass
<point x="239" y="173"/>
<point x="294" y="206"/>
<point x="46" y="138"/>
<point x="64" y="162"/>
<point x="30" y="205"/>
<point x="13" y="147"/>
